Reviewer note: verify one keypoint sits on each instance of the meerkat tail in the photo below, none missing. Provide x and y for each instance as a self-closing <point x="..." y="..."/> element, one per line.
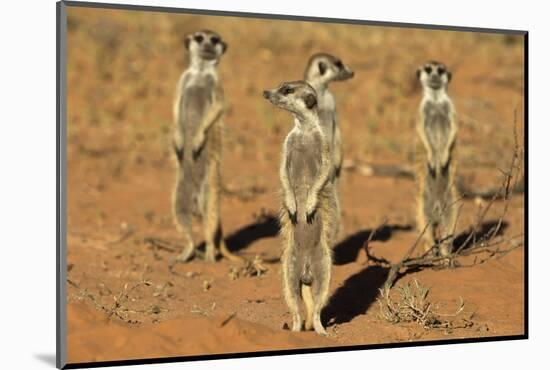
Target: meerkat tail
<point x="307" y="297"/>
<point x="230" y="256"/>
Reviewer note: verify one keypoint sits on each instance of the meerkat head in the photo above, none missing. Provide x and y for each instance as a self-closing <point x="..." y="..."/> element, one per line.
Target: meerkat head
<point x="205" y="45"/>
<point x="433" y="75"/>
<point x="297" y="97"/>
<point x="325" y="68"/>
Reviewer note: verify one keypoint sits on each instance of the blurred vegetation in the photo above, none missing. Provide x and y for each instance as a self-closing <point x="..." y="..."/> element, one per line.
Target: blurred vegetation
<point x="123" y="67"/>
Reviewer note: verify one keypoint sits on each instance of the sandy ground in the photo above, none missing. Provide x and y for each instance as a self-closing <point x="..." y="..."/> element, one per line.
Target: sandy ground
<point x="124" y="300"/>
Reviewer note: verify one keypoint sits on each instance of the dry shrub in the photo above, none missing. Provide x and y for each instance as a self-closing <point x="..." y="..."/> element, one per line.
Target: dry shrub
<point x="413" y="306"/>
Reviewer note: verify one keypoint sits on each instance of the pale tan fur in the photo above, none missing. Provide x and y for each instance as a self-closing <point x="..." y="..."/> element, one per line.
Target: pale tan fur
<point x="323" y="69"/>
<point x="207" y="139"/>
<point x="308" y="209"/>
<point x="435" y="168"/>
<point x="313" y="304"/>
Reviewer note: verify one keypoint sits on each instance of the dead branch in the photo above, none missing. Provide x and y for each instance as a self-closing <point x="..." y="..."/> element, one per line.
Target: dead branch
<point x="370" y="257"/>
<point x="161" y="244"/>
<point x="119" y="308"/>
<point x="483" y="248"/>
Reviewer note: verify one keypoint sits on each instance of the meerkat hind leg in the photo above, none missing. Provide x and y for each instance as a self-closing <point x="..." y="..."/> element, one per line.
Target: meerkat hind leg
<point x="183" y="216"/>
<point x="308" y="303"/>
<point x="227" y="253"/>
<point x="212" y="231"/>
<point x="426" y="216"/>
<point x="422" y="220"/>
<point x="291" y="288"/>
<point x="213" y="228"/>
<point x="184" y="223"/>
<point x="211" y="214"/>
<point x="448" y="230"/>
<point x="320" y="290"/>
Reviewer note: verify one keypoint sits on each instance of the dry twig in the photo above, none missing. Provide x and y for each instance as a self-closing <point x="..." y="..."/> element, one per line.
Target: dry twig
<point x="413" y="306"/>
<point x="487" y="246"/>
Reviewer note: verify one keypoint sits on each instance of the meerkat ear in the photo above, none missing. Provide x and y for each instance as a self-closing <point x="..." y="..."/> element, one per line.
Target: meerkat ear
<point x="224" y="47"/>
<point x="310" y="100"/>
<point x="322" y="68"/>
<point x="449" y="76"/>
<point x="418" y="73"/>
<point x="187" y="41"/>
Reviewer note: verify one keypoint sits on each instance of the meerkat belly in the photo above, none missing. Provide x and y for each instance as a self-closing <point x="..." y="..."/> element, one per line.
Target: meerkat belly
<point x="438" y="194"/>
<point x="438" y="126"/>
<point x="304" y="169"/>
<point x="194" y="105"/>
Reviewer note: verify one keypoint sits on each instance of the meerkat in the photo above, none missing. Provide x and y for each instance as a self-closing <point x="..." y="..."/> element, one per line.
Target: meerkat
<point x="436" y="166"/>
<point x="321" y="70"/>
<point x="308" y="205"/>
<point x="198" y="111"/>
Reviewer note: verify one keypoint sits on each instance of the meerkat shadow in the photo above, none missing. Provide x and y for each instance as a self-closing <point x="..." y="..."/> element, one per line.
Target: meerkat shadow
<point x="348" y="249"/>
<point x="355" y="296"/>
<point x="466" y="240"/>
<point x="266" y="226"/>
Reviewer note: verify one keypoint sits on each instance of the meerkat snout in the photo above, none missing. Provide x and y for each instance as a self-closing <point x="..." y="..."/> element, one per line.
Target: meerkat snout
<point x="297" y="97"/>
<point x="324" y="68"/>
<point x="434" y="75"/>
<point x="205" y="44"/>
<point x="344" y="72"/>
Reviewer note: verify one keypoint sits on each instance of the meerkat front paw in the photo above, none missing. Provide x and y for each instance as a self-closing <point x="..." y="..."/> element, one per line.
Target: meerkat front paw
<point x="311" y="208"/>
<point x="445" y="159"/>
<point x="293" y="217"/>
<point x="179" y="153"/>
<point x="198" y="144"/>
<point x="431" y="162"/>
<point x="290" y="204"/>
<point x="431" y="169"/>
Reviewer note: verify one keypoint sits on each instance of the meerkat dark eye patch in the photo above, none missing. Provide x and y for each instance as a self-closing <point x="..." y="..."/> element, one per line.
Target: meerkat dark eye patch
<point x="440" y="70"/>
<point x="428" y="69"/>
<point x="285" y="90"/>
<point x="199" y="38"/>
<point x="339" y="64"/>
<point x="310" y="100"/>
<point x="322" y="68"/>
<point x="214" y="40"/>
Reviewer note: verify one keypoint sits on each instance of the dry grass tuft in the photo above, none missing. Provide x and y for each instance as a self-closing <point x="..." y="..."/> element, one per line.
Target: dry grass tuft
<point x="413" y="306"/>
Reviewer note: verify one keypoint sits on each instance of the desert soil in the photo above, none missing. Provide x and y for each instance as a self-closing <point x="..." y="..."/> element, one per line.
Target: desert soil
<point x="124" y="300"/>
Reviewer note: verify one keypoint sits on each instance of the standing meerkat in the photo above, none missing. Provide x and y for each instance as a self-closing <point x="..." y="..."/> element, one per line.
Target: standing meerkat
<point x="436" y="167"/>
<point x="308" y="206"/>
<point x="321" y="70"/>
<point x="198" y="113"/>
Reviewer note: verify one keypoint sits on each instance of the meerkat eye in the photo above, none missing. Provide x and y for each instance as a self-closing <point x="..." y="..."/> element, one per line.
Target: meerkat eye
<point x="214" y="40"/>
<point x="287" y="90"/>
<point x="428" y="69"/>
<point x="199" y="38"/>
<point x="339" y="64"/>
<point x="440" y="70"/>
